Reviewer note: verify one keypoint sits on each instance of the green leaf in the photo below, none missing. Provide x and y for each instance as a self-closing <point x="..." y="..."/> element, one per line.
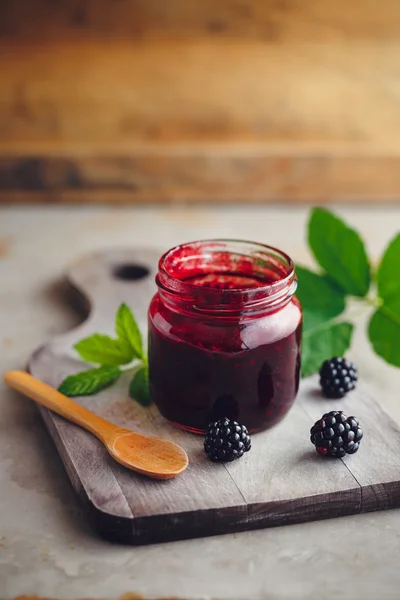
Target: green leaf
<point x="384" y="332"/>
<point x="103" y="350"/>
<point x="321" y="343"/>
<point x="312" y="319"/>
<point x="320" y="298"/>
<point x="340" y="252"/>
<point x="384" y="326"/>
<point x="139" y="388"/>
<point x="127" y="330"/>
<point x="388" y="275"/>
<point x="89" y="382"/>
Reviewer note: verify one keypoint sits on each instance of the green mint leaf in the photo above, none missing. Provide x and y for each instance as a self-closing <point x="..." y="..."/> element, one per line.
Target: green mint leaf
<point x="384" y="332"/>
<point x="89" y="382"/>
<point x="388" y="276"/>
<point x="384" y="326"/>
<point x="139" y="387"/>
<point x="103" y="350"/>
<point x="340" y="252"/>
<point x="320" y="298"/>
<point x="321" y="343"/>
<point x="312" y="319"/>
<point x="127" y="329"/>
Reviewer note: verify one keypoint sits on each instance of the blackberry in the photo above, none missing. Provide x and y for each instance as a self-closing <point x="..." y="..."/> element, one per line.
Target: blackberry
<point x="226" y="440"/>
<point x="337" y="377"/>
<point x="335" y="434"/>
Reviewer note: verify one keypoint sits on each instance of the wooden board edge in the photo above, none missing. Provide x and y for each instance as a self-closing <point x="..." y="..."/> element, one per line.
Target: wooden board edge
<point x="345" y="502"/>
<point x="234" y="519"/>
<point x="388" y="494"/>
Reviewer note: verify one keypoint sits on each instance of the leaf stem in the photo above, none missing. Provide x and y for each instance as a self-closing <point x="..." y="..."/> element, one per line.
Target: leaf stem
<point x="374" y="301"/>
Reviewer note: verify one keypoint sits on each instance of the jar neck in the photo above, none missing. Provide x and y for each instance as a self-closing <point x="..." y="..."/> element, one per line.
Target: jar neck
<point x="225" y="278"/>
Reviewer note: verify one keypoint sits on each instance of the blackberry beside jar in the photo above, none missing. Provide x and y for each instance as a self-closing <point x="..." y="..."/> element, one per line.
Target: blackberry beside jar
<point x="224" y="335"/>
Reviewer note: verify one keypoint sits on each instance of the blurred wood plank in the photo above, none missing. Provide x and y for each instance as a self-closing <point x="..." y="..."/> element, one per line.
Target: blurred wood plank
<point x="187" y="174"/>
<point x="293" y="19"/>
<point x="193" y="90"/>
<point x="306" y="94"/>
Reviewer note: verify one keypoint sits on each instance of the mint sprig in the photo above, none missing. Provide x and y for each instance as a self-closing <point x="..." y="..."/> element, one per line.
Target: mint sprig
<point x="346" y="272"/>
<point x="111" y="353"/>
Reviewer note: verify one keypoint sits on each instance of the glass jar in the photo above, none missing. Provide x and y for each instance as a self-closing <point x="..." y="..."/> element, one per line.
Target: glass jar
<point x="224" y="335"/>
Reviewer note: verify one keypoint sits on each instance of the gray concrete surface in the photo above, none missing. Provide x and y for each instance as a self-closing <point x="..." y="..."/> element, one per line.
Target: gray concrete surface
<point x="46" y="546"/>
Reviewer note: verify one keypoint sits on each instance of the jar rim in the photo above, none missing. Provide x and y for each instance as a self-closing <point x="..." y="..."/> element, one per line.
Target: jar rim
<point x="272" y="291"/>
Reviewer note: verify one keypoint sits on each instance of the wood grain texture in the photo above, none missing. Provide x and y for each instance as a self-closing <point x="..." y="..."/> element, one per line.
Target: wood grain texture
<point x="290" y="19"/>
<point x="281" y="481"/>
<point x="197" y="175"/>
<point x="172" y="88"/>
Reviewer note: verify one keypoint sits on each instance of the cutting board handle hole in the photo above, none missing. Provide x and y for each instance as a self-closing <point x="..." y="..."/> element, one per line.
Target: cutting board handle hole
<point x="130" y="272"/>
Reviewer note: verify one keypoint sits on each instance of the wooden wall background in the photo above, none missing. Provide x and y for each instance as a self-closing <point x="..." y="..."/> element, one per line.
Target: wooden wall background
<point x="199" y="100"/>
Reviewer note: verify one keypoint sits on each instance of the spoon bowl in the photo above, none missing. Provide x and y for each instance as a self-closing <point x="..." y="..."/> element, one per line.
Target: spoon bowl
<point x="151" y="456"/>
<point x="148" y="455"/>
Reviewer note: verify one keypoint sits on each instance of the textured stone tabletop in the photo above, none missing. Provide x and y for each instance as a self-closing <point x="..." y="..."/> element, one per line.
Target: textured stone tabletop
<point x="46" y="546"/>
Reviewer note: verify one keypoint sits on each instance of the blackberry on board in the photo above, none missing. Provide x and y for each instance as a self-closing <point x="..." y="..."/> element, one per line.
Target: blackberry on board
<point x="226" y="440"/>
<point x="335" y="434"/>
<point x="337" y="377"/>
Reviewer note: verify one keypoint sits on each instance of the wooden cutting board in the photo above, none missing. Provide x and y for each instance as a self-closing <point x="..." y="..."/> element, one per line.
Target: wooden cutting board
<point x="281" y="481"/>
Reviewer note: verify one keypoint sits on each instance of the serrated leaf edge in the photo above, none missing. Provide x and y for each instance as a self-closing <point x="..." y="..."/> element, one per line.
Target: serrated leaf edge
<point x="63" y="387"/>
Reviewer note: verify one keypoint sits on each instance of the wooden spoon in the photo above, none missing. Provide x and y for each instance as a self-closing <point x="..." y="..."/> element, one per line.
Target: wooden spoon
<point x="151" y="456"/>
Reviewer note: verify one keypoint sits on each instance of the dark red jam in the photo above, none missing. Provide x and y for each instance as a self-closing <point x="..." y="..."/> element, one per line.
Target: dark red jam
<point x="224" y="335"/>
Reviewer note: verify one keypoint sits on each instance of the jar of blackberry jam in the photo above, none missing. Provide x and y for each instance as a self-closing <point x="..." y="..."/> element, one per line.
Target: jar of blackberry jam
<point x="224" y="335"/>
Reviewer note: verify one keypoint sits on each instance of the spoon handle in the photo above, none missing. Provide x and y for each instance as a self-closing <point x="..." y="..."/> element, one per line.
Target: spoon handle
<point x="62" y="405"/>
